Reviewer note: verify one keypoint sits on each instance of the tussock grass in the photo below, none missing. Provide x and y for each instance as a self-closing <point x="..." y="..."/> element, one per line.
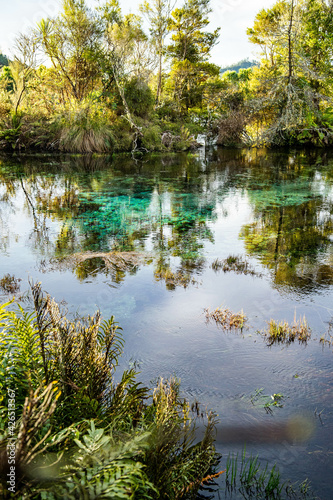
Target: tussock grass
<point x="226" y="318"/>
<point x="283" y="332"/>
<point x="79" y="140"/>
<point x="84" y="128"/>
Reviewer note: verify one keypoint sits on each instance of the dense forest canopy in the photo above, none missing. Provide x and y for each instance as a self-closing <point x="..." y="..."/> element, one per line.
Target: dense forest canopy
<point x="96" y="80"/>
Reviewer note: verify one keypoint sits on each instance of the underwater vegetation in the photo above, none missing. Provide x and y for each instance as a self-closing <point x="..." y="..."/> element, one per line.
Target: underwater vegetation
<point x="234" y="263"/>
<point x="10" y="284"/>
<point x="174" y="279"/>
<point x="226" y="318"/>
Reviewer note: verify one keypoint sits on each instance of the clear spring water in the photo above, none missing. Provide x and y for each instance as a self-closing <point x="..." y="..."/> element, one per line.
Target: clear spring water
<point x="177" y="215"/>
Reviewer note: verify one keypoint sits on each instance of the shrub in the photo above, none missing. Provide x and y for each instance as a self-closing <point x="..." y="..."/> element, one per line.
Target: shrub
<point x="139" y="97"/>
<point x="122" y="134"/>
<point x="151" y="138"/>
<point x="231" y="129"/>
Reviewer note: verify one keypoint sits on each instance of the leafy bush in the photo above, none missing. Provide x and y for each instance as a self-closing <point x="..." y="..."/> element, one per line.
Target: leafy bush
<point x="151" y="138"/>
<point x="139" y="97"/>
<point x="123" y="135"/>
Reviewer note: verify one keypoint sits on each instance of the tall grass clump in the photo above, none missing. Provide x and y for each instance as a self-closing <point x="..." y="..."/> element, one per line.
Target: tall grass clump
<point x="78" y="433"/>
<point x="283" y="332"/>
<point x="85" y="127"/>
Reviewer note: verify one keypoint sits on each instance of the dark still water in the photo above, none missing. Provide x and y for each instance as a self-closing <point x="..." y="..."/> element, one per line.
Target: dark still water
<point x="169" y="219"/>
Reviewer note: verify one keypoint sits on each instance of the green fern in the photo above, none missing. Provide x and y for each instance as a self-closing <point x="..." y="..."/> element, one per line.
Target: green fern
<point x="20" y="362"/>
<point x="80" y="434"/>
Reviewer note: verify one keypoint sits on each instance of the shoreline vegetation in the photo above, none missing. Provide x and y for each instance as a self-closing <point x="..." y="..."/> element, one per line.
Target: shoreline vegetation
<point x="76" y="433"/>
<point x="93" y="81"/>
<point x="68" y="430"/>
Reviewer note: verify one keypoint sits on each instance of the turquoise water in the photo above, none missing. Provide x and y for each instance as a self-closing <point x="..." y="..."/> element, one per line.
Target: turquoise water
<point x="173" y="217"/>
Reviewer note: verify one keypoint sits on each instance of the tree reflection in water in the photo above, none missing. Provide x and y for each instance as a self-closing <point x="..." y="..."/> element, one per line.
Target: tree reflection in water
<point x="166" y="208"/>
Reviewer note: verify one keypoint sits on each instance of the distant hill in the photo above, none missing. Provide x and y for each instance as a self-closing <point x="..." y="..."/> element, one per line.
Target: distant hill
<point x="245" y="63"/>
<point x="4" y="61"/>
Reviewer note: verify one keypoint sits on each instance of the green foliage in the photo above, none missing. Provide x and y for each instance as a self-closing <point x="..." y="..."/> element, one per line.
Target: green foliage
<point x="173" y="460"/>
<point x="80" y="435"/>
<point x="292" y="84"/>
<point x="6" y="78"/>
<point x="72" y="42"/>
<point x="85" y="128"/>
<point x="191" y="43"/>
<point x="151" y="138"/>
<point x="4" y="61"/>
<point x="123" y="135"/>
<point x="107" y="75"/>
<point x="189" y="54"/>
<point x="139" y="97"/>
<point x="82" y="355"/>
<point x="9" y="137"/>
<point x="19" y="353"/>
<point x="101" y="467"/>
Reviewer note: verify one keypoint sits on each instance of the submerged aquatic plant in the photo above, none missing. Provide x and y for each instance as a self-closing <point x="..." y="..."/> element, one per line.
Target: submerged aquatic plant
<point x="234" y="263"/>
<point x="327" y="338"/>
<point x="173" y="279"/>
<point x="267" y="402"/>
<point x="226" y="318"/>
<point x="10" y="284"/>
<point x="283" y="332"/>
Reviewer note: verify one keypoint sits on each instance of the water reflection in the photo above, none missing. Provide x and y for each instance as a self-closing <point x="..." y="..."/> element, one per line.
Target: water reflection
<point x="169" y="208"/>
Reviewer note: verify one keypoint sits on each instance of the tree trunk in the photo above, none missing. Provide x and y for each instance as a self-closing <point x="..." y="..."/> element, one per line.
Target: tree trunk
<point x="290" y="51"/>
<point x="159" y="83"/>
